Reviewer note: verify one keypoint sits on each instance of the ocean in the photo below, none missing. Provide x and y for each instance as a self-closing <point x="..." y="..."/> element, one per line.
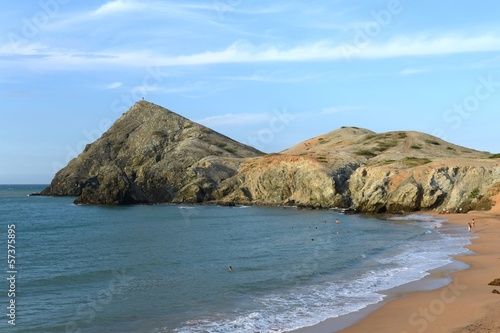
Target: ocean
<point x="165" y="268"/>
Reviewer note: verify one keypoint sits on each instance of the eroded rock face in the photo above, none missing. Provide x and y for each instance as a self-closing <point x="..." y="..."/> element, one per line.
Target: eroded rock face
<point x="152" y="155"/>
<point x="427" y="187"/>
<point x="280" y="179"/>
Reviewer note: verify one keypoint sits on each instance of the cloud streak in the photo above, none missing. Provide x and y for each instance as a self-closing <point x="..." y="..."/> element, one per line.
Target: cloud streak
<point x="114" y="85"/>
<point x="117" y="7"/>
<point x="235" y="119"/>
<point x="241" y="52"/>
<point x="244" y="52"/>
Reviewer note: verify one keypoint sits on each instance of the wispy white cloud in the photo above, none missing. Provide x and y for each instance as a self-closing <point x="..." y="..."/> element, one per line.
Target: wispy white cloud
<point x="235" y="119"/>
<point x="339" y="109"/>
<point x="424" y="46"/>
<point x="195" y="89"/>
<point x="413" y="71"/>
<point x="330" y="110"/>
<point x="267" y="9"/>
<point x="114" y="85"/>
<point x="486" y="62"/>
<point x="119" y="13"/>
<point x="244" y="52"/>
<point x="21" y="48"/>
<point x="274" y="77"/>
<point x="117" y="7"/>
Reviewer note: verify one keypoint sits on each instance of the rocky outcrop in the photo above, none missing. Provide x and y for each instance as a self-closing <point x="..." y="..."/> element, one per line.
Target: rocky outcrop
<point x="282" y="180"/>
<point x="152" y="155"/>
<point x="495" y="282"/>
<point x="442" y="185"/>
<point x="355" y="168"/>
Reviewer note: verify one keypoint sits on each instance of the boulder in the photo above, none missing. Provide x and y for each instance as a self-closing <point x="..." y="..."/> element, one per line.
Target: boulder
<point x="495" y="282"/>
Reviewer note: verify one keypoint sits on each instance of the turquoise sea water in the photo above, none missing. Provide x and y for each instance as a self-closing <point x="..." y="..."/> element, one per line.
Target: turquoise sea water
<point x="164" y="268"/>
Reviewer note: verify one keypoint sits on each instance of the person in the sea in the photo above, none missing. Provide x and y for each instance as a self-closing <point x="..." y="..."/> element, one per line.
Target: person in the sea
<point x="337" y="221"/>
<point x="230" y="268"/>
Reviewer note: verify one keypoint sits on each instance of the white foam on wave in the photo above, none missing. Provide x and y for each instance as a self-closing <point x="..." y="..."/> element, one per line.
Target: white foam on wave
<point x="424" y="220"/>
<point x="306" y="306"/>
<point x="280" y="313"/>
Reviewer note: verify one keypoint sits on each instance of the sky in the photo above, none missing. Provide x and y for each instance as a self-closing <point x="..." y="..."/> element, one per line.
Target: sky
<point x="266" y="73"/>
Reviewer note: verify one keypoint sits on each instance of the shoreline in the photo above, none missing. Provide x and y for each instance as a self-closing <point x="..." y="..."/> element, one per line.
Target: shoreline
<point x="436" y="278"/>
<point x="465" y="304"/>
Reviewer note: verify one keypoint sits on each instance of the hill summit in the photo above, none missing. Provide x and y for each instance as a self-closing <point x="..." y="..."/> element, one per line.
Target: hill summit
<point x="153" y="155"/>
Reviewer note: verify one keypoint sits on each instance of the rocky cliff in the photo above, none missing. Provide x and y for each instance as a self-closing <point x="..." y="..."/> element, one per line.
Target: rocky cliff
<point x="373" y="173"/>
<point x="152" y="155"/>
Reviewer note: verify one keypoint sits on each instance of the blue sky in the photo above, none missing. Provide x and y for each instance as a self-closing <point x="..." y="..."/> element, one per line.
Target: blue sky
<point x="269" y="74"/>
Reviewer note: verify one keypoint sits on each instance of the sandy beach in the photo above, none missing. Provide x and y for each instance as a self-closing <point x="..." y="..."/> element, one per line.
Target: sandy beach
<point x="466" y="305"/>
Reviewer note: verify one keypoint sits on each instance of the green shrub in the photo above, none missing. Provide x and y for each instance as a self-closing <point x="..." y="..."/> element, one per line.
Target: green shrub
<point x="221" y="145"/>
<point x="383" y="146"/>
<point x="366" y="153"/>
<point x="117" y="148"/>
<point x="474" y="193"/>
<point x="385" y="162"/>
<point x="432" y="142"/>
<point x="415" y="161"/>
<point x="159" y="133"/>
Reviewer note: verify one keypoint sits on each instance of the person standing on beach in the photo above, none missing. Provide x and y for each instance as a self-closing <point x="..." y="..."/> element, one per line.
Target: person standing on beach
<point x="469" y="226"/>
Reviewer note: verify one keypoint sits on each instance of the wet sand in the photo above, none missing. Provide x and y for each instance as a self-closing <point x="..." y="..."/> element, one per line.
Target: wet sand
<point x="452" y="299"/>
<point x="465" y="305"/>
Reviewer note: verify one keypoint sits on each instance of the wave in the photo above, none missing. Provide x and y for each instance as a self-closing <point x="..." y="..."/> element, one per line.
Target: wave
<point x="302" y="305"/>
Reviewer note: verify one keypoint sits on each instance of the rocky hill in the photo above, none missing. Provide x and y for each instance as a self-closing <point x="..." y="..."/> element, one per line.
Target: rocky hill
<point x="356" y="168"/>
<point x="152" y="155"/>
